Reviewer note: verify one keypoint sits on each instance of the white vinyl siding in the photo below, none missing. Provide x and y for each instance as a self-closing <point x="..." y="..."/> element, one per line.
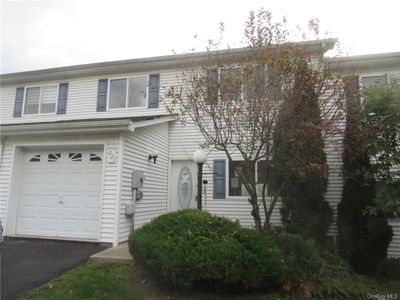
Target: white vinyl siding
<point x="82" y="101"/>
<point x="137" y="147"/>
<point x="394" y="247"/>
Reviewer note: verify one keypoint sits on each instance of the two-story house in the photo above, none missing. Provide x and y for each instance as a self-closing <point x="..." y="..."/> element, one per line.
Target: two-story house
<point x="73" y="138"/>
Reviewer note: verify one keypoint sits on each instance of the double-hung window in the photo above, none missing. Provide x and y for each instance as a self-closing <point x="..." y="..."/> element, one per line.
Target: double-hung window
<point x="128" y="92"/>
<point x="41" y="99"/>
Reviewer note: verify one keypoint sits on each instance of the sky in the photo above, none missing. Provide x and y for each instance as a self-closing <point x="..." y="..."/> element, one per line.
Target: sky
<point x="39" y="34"/>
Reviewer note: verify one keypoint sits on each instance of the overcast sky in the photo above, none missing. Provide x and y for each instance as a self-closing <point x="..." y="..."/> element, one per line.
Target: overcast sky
<point x="44" y="34"/>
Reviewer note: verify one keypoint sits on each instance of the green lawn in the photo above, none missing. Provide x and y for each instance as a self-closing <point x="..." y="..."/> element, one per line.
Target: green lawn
<point x="119" y="281"/>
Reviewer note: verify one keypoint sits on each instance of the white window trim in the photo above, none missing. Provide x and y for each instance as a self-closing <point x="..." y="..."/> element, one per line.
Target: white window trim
<point x="40" y="99"/>
<point x="127" y="93"/>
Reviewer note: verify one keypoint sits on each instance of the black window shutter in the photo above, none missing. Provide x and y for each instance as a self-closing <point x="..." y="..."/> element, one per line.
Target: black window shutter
<point x="219" y="179"/>
<point x="19" y="100"/>
<point x="154" y="90"/>
<point x="62" y="98"/>
<point x="102" y="95"/>
<point x="352" y="87"/>
<point x="212" y="86"/>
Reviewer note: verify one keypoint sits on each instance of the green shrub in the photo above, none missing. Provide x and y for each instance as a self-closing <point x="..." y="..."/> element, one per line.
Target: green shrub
<point x="313" y="272"/>
<point x="362" y="239"/>
<point x="389" y="268"/>
<point x="192" y="248"/>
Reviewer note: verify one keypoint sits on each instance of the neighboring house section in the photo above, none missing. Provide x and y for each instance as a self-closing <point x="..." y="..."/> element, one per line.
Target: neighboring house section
<point x="373" y="69"/>
<point x="72" y="137"/>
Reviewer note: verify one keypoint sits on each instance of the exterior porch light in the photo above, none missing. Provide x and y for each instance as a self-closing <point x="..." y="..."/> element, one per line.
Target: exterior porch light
<point x="199" y="157"/>
<point x="153" y="156"/>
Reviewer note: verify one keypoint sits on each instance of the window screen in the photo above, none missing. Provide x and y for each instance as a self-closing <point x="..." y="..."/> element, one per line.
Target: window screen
<point x="117" y="93"/>
<point x="137" y="91"/>
<point x="48" y="99"/>
<point x="32" y="100"/>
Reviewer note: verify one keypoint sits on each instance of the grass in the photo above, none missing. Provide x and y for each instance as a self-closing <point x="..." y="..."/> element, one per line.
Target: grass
<point x="120" y="281"/>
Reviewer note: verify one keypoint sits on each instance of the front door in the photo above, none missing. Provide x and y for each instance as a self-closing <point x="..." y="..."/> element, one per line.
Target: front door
<point x="182" y="185"/>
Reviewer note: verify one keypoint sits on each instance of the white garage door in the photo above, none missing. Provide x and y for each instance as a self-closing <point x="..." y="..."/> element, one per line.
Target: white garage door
<point x="59" y="194"/>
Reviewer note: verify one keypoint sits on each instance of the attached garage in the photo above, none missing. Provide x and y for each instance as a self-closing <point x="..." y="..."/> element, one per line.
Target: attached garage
<point x="60" y="193"/>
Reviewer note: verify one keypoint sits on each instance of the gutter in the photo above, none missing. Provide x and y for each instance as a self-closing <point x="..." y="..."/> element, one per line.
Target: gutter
<point x="369" y="62"/>
<point x="84" y="126"/>
<point x="66" y="127"/>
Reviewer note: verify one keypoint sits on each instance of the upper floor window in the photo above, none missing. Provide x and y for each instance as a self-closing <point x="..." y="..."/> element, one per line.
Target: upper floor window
<point x="41" y="99"/>
<point x="231" y="84"/>
<point x="236" y="84"/>
<point x="128" y="92"/>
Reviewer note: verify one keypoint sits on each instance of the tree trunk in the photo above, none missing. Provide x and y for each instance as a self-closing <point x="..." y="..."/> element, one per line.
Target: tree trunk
<point x="255" y="212"/>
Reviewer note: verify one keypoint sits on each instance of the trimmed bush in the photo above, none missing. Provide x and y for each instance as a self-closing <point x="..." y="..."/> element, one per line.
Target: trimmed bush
<point x="192" y="248"/>
<point x="389" y="268"/>
<point x="313" y="272"/>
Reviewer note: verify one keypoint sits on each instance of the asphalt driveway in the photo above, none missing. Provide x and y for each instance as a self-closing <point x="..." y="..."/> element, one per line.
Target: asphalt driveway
<point x="28" y="263"/>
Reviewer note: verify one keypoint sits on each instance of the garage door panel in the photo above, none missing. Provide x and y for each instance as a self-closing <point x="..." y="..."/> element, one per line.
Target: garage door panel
<point x="60" y="194"/>
<point x="29" y="200"/>
<point x="37" y="226"/>
<point x="48" y="201"/>
<point x="91" y="203"/>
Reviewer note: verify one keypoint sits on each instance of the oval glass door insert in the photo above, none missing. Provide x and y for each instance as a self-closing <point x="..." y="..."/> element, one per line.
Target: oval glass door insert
<point x="185" y="188"/>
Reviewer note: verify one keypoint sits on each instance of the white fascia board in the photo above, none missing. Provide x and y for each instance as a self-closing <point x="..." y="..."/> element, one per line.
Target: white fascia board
<point x="66" y="127"/>
<point x="368" y="62"/>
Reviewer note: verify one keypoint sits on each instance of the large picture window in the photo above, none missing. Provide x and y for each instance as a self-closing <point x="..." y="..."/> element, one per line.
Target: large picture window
<point x="128" y="92"/>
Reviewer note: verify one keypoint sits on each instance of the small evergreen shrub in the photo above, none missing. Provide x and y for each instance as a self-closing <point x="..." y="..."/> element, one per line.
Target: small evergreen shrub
<point x="312" y="272"/>
<point x="389" y="268"/>
<point x="193" y="248"/>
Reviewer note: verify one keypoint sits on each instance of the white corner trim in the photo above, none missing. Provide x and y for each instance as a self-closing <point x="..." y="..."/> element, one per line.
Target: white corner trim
<point x="118" y="191"/>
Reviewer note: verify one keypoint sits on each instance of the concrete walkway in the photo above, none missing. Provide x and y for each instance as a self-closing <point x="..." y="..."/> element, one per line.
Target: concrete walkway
<point x="118" y="254"/>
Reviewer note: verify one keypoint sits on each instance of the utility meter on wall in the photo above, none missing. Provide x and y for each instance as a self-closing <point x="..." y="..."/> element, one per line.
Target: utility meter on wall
<point x="137" y="183"/>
